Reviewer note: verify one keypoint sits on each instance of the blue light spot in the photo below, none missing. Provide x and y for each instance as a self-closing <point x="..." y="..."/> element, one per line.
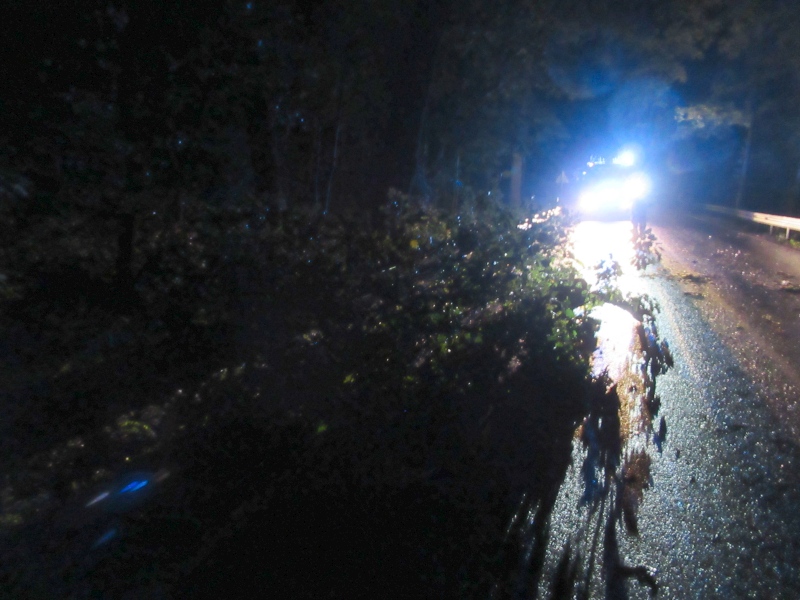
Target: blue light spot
<point x="133" y="486"/>
<point x="249" y="6"/>
<point x="99" y="498"/>
<point x="105" y="538"/>
<point x="260" y="43"/>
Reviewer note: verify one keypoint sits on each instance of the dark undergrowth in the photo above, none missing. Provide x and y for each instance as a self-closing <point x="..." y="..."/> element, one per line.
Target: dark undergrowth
<point x="317" y="407"/>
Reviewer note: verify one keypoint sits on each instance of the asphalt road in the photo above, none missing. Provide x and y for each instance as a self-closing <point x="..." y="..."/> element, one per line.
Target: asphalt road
<point x="720" y="517"/>
<point x="747" y="286"/>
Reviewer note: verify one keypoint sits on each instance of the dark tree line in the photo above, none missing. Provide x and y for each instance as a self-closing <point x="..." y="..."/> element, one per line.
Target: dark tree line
<point x="329" y="104"/>
<point x="707" y="89"/>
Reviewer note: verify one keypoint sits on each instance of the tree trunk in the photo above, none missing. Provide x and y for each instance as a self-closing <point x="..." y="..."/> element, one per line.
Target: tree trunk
<point x="277" y="159"/>
<point x="791" y="201"/>
<point x="317" y="166"/>
<point x="336" y="137"/>
<point x="418" y="177"/>
<point x="746" y="155"/>
<point x="457" y="183"/>
<point x="516" y="183"/>
<point x="334" y="160"/>
<point x="124" y="264"/>
<point x="745" y="163"/>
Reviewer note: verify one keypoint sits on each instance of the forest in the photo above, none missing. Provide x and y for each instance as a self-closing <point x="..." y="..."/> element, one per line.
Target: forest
<point x="269" y="255"/>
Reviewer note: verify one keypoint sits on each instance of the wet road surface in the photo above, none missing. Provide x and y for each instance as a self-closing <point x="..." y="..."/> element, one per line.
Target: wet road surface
<point x="746" y="286"/>
<point x="719" y="516"/>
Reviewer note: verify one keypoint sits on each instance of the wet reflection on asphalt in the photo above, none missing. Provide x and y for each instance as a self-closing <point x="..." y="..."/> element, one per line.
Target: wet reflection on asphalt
<point x="575" y="541"/>
<point x="697" y="496"/>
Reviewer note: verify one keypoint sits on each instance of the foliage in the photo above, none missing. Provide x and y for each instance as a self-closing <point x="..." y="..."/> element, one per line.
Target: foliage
<point x="710" y="116"/>
<point x="427" y="352"/>
<point x="171" y="293"/>
<point x="645" y="249"/>
<point x="746" y="98"/>
<point x="319" y="104"/>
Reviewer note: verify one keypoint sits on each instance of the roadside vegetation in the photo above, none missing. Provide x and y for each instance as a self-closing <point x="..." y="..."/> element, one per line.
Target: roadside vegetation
<point x="204" y="314"/>
<point x="297" y="400"/>
<point x="402" y="378"/>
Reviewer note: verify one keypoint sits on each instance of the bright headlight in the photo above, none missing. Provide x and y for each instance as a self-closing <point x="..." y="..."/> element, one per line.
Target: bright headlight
<point x="590" y="199"/>
<point x="607" y="195"/>
<point x="615" y="194"/>
<point x="625" y="159"/>
<point x="636" y="187"/>
<point x="601" y="196"/>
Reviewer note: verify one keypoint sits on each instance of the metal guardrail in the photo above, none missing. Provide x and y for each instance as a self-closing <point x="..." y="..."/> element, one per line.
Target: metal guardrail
<point x="787" y="223"/>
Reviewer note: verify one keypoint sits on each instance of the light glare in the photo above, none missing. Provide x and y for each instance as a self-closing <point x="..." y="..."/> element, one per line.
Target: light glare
<point x="625" y="159"/>
<point x="636" y="186"/>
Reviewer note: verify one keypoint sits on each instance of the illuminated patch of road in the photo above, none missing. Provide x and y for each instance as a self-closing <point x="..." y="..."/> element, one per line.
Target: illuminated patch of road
<point x="610" y="470"/>
<point x="595" y="242"/>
